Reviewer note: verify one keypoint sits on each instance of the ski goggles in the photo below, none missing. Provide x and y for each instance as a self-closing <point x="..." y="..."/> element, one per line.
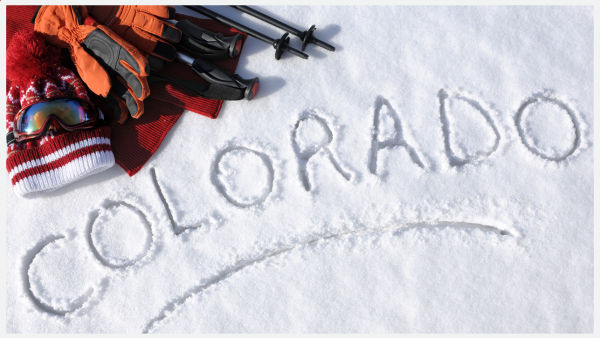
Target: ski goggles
<point x="71" y="113"/>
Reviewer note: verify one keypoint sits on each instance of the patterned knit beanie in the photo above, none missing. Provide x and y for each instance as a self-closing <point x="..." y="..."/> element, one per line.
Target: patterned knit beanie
<point x="59" y="157"/>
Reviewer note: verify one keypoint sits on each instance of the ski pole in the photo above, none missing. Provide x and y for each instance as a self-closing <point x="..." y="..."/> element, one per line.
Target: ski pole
<point x="280" y="45"/>
<point x="306" y="36"/>
<point x="204" y="43"/>
<point x="214" y="74"/>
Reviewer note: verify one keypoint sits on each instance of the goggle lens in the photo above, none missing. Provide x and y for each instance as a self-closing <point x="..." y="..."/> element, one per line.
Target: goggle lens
<point x="69" y="112"/>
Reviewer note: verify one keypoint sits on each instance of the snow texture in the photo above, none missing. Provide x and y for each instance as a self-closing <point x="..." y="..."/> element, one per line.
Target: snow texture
<point x="432" y="175"/>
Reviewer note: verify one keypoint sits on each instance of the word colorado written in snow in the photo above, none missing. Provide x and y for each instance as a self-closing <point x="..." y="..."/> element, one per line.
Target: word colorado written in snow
<point x="311" y="135"/>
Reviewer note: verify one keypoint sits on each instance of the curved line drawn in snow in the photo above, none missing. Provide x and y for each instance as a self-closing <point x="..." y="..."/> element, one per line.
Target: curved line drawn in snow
<point x="90" y="226"/>
<point x="397" y="141"/>
<point x="28" y="260"/>
<point x="541" y="97"/>
<point x="304" y="158"/>
<point x="214" y="177"/>
<point x="454" y="160"/>
<point x="223" y="275"/>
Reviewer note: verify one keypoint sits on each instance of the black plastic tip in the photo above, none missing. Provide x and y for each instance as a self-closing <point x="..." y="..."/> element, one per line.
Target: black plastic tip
<point x="280" y="45"/>
<point x="252" y="88"/>
<point x="308" y="36"/>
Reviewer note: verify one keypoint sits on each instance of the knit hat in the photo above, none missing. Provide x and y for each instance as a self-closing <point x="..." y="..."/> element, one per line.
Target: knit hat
<point x="60" y="157"/>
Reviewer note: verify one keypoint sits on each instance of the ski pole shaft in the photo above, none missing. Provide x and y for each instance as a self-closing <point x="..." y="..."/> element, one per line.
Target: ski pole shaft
<point x="268" y="19"/>
<point x="216" y="16"/>
<point x="285" y="27"/>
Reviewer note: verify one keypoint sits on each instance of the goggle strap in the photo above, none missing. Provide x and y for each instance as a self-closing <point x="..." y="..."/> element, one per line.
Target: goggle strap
<point x="10" y="138"/>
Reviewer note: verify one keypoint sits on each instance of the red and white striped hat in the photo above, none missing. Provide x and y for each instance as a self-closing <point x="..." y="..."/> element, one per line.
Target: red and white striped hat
<point x="60" y="157"/>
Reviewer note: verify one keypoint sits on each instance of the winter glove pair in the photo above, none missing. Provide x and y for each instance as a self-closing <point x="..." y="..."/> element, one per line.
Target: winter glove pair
<point x="110" y="66"/>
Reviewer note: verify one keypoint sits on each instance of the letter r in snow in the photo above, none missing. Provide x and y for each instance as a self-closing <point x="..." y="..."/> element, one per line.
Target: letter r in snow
<point x="319" y="137"/>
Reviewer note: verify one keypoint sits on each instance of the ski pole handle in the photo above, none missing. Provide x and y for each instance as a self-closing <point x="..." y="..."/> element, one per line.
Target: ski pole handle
<point x="194" y="37"/>
<point x="214" y="74"/>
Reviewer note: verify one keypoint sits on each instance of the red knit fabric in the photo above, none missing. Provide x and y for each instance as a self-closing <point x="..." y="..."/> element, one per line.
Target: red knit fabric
<point x="61" y="143"/>
<point x="60" y="161"/>
<point x="134" y="142"/>
<point x="30" y="57"/>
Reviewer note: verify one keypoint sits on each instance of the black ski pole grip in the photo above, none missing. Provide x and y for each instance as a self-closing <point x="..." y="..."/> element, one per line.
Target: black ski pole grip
<point x="193" y="36"/>
<point x="214" y="74"/>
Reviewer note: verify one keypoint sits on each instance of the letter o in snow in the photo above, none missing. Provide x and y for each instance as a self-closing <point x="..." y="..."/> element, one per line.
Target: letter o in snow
<point x="529" y="140"/>
<point x="243" y="176"/>
<point x="119" y="235"/>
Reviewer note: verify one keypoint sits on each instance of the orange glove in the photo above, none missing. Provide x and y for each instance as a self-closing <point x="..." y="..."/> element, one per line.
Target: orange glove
<point x="142" y="27"/>
<point x="105" y="62"/>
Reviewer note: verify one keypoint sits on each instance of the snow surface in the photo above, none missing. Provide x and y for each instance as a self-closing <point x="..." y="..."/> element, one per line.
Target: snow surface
<point x="434" y="174"/>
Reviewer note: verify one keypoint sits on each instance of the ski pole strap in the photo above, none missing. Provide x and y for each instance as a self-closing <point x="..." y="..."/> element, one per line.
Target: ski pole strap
<point x="192" y="48"/>
<point x="212" y="91"/>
